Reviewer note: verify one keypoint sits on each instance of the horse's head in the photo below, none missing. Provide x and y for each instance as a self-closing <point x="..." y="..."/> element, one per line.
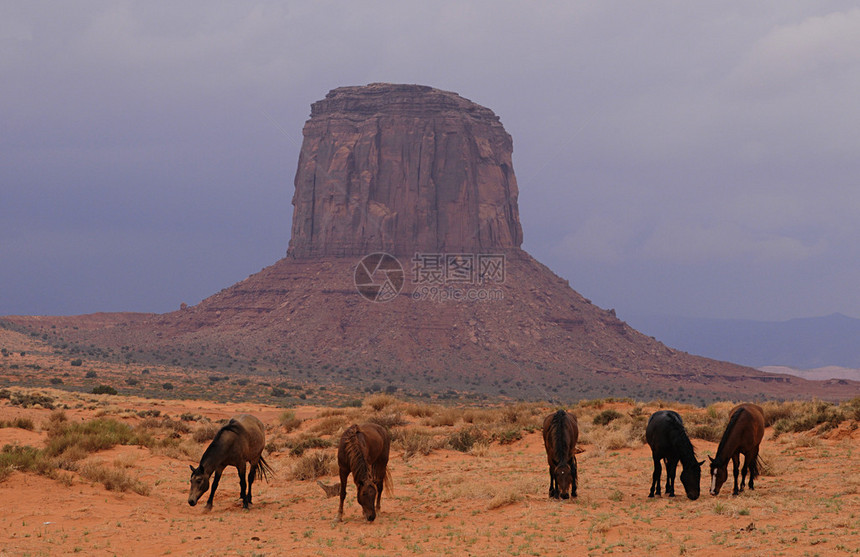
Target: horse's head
<point x="367" y="499"/>
<point x="199" y="484"/>
<point x="691" y="477"/>
<point x="719" y="473"/>
<point x="563" y="479"/>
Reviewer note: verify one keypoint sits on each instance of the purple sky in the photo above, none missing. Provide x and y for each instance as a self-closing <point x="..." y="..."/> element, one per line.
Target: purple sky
<point x="695" y="159"/>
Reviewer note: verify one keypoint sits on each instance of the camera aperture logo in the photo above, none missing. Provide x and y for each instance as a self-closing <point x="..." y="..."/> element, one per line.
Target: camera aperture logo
<point x="379" y="277"/>
<point x="436" y="277"/>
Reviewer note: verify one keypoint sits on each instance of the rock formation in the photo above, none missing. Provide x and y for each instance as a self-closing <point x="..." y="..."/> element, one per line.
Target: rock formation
<point x="406" y="169"/>
<point x="403" y="168"/>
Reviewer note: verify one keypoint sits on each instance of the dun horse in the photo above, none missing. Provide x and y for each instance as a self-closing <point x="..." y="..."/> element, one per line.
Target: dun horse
<point x="363" y="451"/>
<point x="560" y="433"/>
<point x="668" y="439"/>
<point x="241" y="440"/>
<point x="743" y="435"/>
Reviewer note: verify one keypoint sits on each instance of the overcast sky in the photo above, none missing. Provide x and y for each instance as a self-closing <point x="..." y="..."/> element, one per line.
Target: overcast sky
<point x="685" y="158"/>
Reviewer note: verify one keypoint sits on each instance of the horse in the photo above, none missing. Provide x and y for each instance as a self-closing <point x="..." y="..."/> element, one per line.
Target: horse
<point x="241" y="440"/>
<point x="743" y="435"/>
<point x="668" y="440"/>
<point x="560" y="433"/>
<point x="363" y="451"/>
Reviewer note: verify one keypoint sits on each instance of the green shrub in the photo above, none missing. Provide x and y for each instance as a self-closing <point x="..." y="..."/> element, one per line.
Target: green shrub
<point x="87" y="437"/>
<point x="465" y="439"/>
<point x="309" y="443"/>
<point x="606" y="416"/>
<point x="289" y="421"/>
<point x="104" y="390"/>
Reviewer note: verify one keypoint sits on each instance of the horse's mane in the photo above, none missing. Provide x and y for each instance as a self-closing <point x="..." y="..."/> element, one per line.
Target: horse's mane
<point x="232" y="426"/>
<point x="733" y="420"/>
<point x="680" y="441"/>
<point x="561" y="448"/>
<point x="352" y="445"/>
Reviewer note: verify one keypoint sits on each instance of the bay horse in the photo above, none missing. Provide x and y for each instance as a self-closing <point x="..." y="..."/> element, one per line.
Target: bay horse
<point x="241" y="440"/>
<point x="743" y="435"/>
<point x="560" y="434"/>
<point x="363" y="451"/>
<point x="669" y="442"/>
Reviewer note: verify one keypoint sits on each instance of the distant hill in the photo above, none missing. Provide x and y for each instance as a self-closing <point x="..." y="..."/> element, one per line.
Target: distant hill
<point x="807" y="343"/>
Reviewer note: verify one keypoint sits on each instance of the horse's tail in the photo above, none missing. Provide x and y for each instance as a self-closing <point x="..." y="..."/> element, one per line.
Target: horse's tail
<point x="264" y="471"/>
<point x="388" y="483"/>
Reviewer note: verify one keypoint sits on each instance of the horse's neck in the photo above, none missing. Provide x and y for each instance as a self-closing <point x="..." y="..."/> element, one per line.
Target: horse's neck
<point x="728" y="446"/>
<point x="682" y="445"/>
<point x="209" y="462"/>
<point x="358" y="459"/>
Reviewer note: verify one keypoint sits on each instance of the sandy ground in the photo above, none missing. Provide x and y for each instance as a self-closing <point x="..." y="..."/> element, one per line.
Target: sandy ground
<point x="492" y="502"/>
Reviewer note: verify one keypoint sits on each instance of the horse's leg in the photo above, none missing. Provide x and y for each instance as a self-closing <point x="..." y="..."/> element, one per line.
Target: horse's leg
<point x="252" y="475"/>
<point x="753" y="467"/>
<point x="215" y="481"/>
<point x="655" y="478"/>
<point x="573" y="476"/>
<point x="553" y="488"/>
<point x="671" y="467"/>
<point x="736" y="461"/>
<point x="243" y="493"/>
<point x="344" y="475"/>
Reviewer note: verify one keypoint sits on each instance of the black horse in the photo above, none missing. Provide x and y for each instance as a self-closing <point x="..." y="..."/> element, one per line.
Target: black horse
<point x="560" y="434"/>
<point x="669" y="442"/>
<point x="241" y="440"/>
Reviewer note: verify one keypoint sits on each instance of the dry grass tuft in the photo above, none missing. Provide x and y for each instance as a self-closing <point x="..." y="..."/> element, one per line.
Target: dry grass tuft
<point x="114" y="478"/>
<point x="313" y="465"/>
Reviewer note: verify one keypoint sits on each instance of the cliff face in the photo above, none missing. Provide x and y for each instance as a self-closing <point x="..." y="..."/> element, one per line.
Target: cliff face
<point x="403" y="168"/>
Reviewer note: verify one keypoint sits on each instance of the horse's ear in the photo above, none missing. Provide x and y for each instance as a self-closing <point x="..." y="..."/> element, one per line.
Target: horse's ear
<point x="709" y="458"/>
<point x="702" y="462"/>
<point x="192" y="468"/>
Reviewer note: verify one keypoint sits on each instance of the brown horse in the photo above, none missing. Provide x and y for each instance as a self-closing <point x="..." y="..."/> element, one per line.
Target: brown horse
<point x="743" y="435"/>
<point x="560" y="433"/>
<point x="363" y="451"/>
<point x="241" y="440"/>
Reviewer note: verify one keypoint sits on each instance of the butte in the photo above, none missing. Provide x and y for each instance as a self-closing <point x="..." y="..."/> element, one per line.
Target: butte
<point x="455" y="306"/>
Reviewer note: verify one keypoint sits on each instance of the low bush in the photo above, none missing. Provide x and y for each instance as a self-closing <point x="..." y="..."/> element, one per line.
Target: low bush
<point x="19" y="423"/>
<point x="104" y="390"/>
<point x="606" y="416"/>
<point x="299" y="448"/>
<point x="313" y="465"/>
<point x="114" y="479"/>
<point x="289" y="421"/>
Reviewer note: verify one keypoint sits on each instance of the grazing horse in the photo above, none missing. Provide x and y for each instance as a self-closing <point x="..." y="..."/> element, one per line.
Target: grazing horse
<point x="668" y="439"/>
<point x="241" y="440"/>
<point x="743" y="435"/>
<point x="363" y="451"/>
<point x="560" y="434"/>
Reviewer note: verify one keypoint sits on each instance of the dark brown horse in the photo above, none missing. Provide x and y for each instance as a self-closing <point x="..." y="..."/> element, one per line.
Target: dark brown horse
<point x="743" y="435"/>
<point x="241" y="440"/>
<point x="560" y="433"/>
<point x="668" y="440"/>
<point x="363" y="451"/>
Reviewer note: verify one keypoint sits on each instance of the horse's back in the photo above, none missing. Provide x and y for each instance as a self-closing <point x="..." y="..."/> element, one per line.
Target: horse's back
<point x="252" y="436"/>
<point x="658" y="427"/>
<point x="378" y="441"/>
<point x="750" y="421"/>
<point x="569" y="428"/>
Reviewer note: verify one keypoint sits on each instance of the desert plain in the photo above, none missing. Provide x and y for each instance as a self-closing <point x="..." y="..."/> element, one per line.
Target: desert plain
<point x="468" y="479"/>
